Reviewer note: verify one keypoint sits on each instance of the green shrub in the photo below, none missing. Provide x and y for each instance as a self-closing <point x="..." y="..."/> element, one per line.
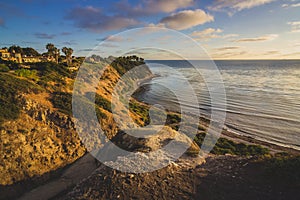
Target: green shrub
<point x="99" y="101"/>
<point x="226" y="146"/>
<point x="4" y="68"/>
<point x="141" y="110"/>
<point x="31" y="74"/>
<point x="51" y="72"/>
<point x="62" y="101"/>
<point x="11" y="86"/>
<point x="173" y="118"/>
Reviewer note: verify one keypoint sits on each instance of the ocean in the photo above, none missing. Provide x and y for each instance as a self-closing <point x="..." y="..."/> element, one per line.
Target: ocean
<point x="262" y="97"/>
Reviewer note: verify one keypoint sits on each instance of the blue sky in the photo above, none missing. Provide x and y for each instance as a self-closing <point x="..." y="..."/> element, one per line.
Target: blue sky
<point x="235" y="29"/>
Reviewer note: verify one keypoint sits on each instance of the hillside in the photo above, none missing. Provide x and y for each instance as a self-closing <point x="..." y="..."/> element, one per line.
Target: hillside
<point x="37" y="129"/>
<point x="41" y="149"/>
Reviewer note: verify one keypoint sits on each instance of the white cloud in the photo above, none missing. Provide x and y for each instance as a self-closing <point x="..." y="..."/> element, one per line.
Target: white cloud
<point x="236" y="5"/>
<point x="258" y="39"/>
<point x="186" y="19"/>
<point x="230" y="36"/>
<point x="206" y="34"/>
<point x="295" y="26"/>
<point x="211" y="33"/>
<point x="147" y="7"/>
<point x="167" y="5"/>
<point x="227" y="48"/>
<point x="294" y="5"/>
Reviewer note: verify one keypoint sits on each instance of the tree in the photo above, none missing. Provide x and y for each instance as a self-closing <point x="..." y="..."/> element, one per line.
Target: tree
<point x="15" y="49"/>
<point x="28" y="51"/>
<point x="50" y="47"/>
<point x="53" y="52"/>
<point x="56" y="54"/>
<point x="68" y="52"/>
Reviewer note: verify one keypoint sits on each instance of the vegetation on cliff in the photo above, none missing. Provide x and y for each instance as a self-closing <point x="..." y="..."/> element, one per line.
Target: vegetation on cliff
<point x="41" y="95"/>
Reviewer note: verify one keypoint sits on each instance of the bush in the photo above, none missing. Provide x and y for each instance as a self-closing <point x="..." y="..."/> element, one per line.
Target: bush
<point x="9" y="103"/>
<point x="141" y="110"/>
<point x="4" y="68"/>
<point x="31" y="74"/>
<point x="99" y="101"/>
<point x="51" y="72"/>
<point x="62" y="101"/>
<point x="225" y="146"/>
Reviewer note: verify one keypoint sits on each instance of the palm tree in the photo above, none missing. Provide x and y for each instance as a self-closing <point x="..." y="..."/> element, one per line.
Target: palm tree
<point x="56" y="54"/>
<point x="68" y="52"/>
<point x="50" y="47"/>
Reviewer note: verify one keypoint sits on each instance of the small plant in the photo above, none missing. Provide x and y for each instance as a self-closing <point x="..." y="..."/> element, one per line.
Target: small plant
<point x="11" y="86"/>
<point x="62" y="101"/>
<point x="31" y="74"/>
<point x="225" y="146"/>
<point x="4" y="68"/>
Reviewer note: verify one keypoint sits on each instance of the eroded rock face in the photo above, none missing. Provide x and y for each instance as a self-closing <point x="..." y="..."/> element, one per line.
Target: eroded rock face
<point x="39" y="141"/>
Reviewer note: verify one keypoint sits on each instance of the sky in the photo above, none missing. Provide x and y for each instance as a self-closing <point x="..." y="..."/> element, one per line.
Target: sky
<point x="226" y="29"/>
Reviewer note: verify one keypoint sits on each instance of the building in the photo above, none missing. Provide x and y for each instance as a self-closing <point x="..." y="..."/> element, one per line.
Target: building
<point x="18" y="58"/>
<point x="31" y="59"/>
<point x="5" y="55"/>
<point x="15" y="57"/>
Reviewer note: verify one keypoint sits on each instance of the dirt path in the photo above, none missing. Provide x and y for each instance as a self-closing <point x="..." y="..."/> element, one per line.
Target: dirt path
<point x="69" y="178"/>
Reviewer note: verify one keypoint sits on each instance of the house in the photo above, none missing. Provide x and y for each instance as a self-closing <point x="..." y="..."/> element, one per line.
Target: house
<point x="15" y="57"/>
<point x="31" y="59"/>
<point x="5" y="55"/>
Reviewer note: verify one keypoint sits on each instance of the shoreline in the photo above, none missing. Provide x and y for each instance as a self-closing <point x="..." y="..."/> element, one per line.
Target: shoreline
<point x="229" y="134"/>
<point x="239" y="138"/>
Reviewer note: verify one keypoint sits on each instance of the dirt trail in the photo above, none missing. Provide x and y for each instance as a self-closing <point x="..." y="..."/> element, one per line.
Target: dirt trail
<point x="69" y="178"/>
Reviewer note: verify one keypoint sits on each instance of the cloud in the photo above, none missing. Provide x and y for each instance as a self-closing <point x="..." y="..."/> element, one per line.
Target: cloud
<point x="236" y="5"/>
<point x="186" y="19"/>
<point x="271" y="52"/>
<point x="206" y="34"/>
<point x="112" y="39"/>
<point x="2" y="22"/>
<point x="30" y="42"/>
<point x="147" y="7"/>
<point x="295" y="26"/>
<point x="258" y="39"/>
<point x="109" y="45"/>
<point x="294" y="5"/>
<point x="229" y="54"/>
<point x="227" y="48"/>
<point x="230" y="36"/>
<point x="85" y="49"/>
<point x="44" y="35"/>
<point x="66" y="33"/>
<point x="93" y="19"/>
<point x="71" y="42"/>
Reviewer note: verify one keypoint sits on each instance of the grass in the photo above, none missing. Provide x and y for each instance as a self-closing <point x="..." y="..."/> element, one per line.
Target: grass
<point x="4" y="68"/>
<point x="226" y="146"/>
<point x="141" y="110"/>
<point x="11" y="87"/>
<point x="122" y="64"/>
<point x="100" y="101"/>
<point x="50" y="72"/>
<point x="30" y="74"/>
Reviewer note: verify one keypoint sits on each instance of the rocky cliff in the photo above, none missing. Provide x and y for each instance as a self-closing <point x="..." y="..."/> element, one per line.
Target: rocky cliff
<point x="40" y="136"/>
<point x="40" y="140"/>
